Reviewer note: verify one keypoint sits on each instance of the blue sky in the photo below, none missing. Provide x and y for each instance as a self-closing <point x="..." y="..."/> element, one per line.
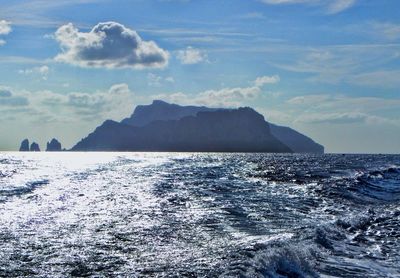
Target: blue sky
<point x="328" y="68"/>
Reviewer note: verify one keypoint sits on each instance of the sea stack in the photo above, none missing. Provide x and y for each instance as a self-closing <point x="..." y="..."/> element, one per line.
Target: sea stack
<point x="24" y="146"/>
<point x="35" y="147"/>
<point x="53" y="146"/>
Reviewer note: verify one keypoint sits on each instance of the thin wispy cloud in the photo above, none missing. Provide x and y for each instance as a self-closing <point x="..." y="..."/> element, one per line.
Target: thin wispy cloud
<point x="330" y="6"/>
<point x="388" y="30"/>
<point x="377" y="79"/>
<point x="252" y="15"/>
<point x="349" y="64"/>
<point x="347" y="118"/>
<point x="35" y="12"/>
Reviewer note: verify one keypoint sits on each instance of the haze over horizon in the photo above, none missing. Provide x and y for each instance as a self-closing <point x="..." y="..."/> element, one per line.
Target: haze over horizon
<point x="329" y="69"/>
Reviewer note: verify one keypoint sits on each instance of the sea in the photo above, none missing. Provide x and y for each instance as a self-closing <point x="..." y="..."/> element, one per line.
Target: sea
<point x="199" y="215"/>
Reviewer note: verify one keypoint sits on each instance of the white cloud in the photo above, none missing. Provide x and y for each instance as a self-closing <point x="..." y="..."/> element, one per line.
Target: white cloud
<point x="331" y="6"/>
<point x="155" y="80"/>
<point x="43" y="71"/>
<point x="345" y="118"/>
<point x="380" y="79"/>
<point x="5" y="92"/>
<point x="253" y="15"/>
<point x="342" y="103"/>
<point x="347" y="64"/>
<point x="108" y="45"/>
<point x="121" y="88"/>
<point x="170" y="79"/>
<point x="338" y="6"/>
<point x="106" y="105"/>
<point x="278" y="2"/>
<point x="334" y="118"/>
<point x="225" y="97"/>
<point x="5" y="27"/>
<point x="340" y="109"/>
<point x="191" y="56"/>
<point x="388" y="30"/>
<point x="9" y="99"/>
<point x="309" y="99"/>
<point x="263" y="80"/>
<point x="73" y="107"/>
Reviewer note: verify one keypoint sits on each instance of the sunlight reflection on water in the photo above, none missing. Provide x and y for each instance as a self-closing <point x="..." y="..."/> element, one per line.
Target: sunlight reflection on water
<point x="166" y="214"/>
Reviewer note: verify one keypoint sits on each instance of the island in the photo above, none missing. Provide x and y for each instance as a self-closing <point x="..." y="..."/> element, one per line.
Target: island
<point x="162" y="126"/>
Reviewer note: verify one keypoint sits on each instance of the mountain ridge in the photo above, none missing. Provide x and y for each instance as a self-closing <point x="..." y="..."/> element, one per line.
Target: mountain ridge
<point x="144" y="114"/>
<point x="162" y="126"/>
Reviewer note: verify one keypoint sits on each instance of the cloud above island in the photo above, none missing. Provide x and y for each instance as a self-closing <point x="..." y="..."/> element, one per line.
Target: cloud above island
<point x="108" y="45"/>
<point x="225" y="97"/>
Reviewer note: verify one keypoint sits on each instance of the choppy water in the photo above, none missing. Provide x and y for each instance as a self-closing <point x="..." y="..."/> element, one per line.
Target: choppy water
<point x="199" y="215"/>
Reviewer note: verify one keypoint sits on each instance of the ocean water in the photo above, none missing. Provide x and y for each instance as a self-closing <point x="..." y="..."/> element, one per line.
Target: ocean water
<point x="199" y="215"/>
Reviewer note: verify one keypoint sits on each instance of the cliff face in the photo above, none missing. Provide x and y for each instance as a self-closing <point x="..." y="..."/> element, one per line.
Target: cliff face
<point x="238" y="130"/>
<point x="298" y="142"/>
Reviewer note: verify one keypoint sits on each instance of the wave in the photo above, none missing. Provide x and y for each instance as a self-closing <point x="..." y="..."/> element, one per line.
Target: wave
<point x="360" y="245"/>
<point x="21" y="190"/>
<point x="378" y="185"/>
<point x="276" y="260"/>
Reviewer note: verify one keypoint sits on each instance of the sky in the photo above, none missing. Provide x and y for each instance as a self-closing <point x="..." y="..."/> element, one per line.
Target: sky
<point x="327" y="68"/>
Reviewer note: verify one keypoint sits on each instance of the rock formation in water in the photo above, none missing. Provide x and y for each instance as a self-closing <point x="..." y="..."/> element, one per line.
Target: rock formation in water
<point x="225" y="130"/>
<point x="34" y="147"/>
<point x="24" y="146"/>
<point x="160" y="110"/>
<point x="53" y="146"/>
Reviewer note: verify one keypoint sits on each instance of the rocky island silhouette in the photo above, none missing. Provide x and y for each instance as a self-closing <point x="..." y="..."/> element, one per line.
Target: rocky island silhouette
<point x="162" y="126"/>
<point x="166" y="127"/>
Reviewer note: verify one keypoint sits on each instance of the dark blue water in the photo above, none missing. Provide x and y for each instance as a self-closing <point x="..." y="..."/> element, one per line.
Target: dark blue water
<point x="199" y="215"/>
